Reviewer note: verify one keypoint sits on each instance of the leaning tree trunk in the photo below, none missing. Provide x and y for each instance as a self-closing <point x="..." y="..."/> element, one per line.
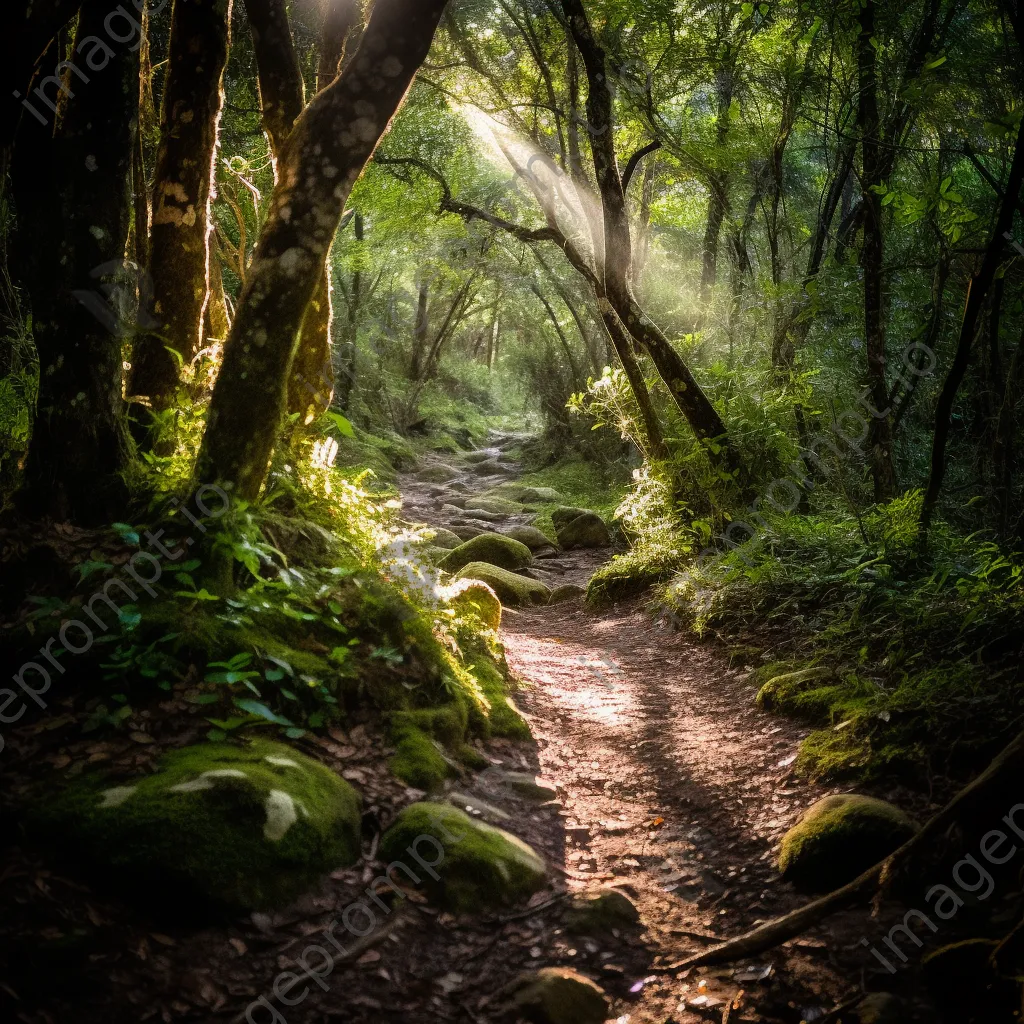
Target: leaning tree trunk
<point x="872" y="252"/>
<point x="179" y="251"/>
<point x="701" y="415"/>
<point x="72" y="189"/>
<point x="327" y="151"/>
<point x="977" y="291"/>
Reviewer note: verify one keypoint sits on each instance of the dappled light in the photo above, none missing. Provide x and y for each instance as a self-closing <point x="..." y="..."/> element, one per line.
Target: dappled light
<point x="511" y="512"/>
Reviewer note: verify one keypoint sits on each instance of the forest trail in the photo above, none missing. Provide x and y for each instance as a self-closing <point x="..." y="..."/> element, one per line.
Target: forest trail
<point x="671" y="784"/>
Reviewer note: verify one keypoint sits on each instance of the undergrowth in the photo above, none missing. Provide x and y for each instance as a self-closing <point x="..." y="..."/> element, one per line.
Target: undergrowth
<point x="912" y="662"/>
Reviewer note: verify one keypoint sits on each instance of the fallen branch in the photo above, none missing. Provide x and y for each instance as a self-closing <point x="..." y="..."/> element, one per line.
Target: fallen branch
<point x="1007" y="767"/>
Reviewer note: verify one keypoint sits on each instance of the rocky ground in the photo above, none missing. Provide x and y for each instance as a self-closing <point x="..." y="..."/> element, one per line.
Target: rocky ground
<point x="651" y="772"/>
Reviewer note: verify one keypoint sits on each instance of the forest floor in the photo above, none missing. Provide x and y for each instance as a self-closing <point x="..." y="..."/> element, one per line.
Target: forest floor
<point x="669" y="783"/>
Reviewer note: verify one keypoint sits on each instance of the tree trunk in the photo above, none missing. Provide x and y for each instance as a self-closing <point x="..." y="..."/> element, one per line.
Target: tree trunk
<point x="872" y="251"/>
<point x="419" y="331"/>
<point x="701" y="415"/>
<point x="72" y="189"/>
<point x="327" y="151"/>
<point x="977" y="292"/>
<point x="623" y="345"/>
<point x="347" y="377"/>
<point x="179" y="257"/>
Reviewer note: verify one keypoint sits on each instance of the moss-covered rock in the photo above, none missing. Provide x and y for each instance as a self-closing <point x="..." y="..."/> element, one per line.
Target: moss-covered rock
<point x="839" y="838"/>
<point x="502" y="717"/>
<point x="513" y="590"/>
<point x="445" y="538"/>
<point x="489" y="468"/>
<point x="474" y="865"/>
<point x="557" y="995"/>
<point x="533" y="538"/>
<point x="597" y="913"/>
<point x="880" y="1008"/>
<point x="476" y="598"/>
<point x="436" y="474"/>
<point x="472" y="458"/>
<point x="492" y="548"/>
<point x="565" y="514"/>
<point x="781" y="691"/>
<point x="497" y="506"/>
<point x="242" y="827"/>
<point x="566" y="593"/>
<point x="585" y="531"/>
<point x="420" y="739"/>
<point x="540" y="496"/>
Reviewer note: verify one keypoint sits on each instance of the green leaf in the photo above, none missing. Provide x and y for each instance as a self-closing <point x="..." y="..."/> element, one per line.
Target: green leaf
<point x="216" y="736"/>
<point x="295" y="733"/>
<point x="86" y="569"/>
<point x="344" y="426"/>
<point x="254" y="707"/>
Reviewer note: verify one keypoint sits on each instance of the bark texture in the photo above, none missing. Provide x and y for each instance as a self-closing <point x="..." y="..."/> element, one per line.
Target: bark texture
<point x="701" y="415"/>
<point x="71" y="187"/>
<point x="328" y="149"/>
<point x="179" y="250"/>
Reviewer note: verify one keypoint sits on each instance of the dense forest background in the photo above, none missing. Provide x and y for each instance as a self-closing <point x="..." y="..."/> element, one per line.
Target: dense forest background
<point x="745" y="279"/>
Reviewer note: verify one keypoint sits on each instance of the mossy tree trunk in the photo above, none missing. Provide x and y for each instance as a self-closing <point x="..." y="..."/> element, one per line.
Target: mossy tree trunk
<point x="311" y="382"/>
<point x="179" y="251"/>
<point x="71" y="188"/>
<point x="327" y="151"/>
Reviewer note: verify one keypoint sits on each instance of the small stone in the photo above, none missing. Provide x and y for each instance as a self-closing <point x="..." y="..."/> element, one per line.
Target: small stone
<point x="569" y="592"/>
<point x="556" y="995"/>
<point x="527" y="786"/>
<point x="597" y="913"/>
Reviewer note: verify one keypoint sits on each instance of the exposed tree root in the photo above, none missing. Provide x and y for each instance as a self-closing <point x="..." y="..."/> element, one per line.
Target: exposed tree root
<point x="1006" y="768"/>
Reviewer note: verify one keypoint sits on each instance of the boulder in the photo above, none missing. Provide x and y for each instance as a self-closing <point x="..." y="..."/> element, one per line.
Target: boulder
<point x="540" y="496"/>
<point x="445" y="538"/>
<point x="567" y="593"/>
<point x="597" y="913"/>
<point x="880" y="1008"/>
<point x="492" y="548"/>
<point x="533" y="538"/>
<point x="476" y="598"/>
<point x="239" y="827"/>
<point x="513" y="590"/>
<point x="585" y="531"/>
<point x="467" y="531"/>
<point x="437" y="474"/>
<point x="557" y="995"/>
<point x="455" y="501"/>
<point x="475" y="867"/>
<point x="489" y="468"/>
<point x="472" y="458"/>
<point x="501" y="506"/>
<point x="840" y="837"/>
<point x="565" y="514"/>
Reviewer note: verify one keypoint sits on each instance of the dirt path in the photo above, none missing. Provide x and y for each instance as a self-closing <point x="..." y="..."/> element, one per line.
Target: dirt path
<point x="672" y="784"/>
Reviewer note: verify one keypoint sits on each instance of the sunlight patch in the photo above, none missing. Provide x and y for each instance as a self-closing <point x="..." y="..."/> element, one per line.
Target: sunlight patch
<point x="281" y="815"/>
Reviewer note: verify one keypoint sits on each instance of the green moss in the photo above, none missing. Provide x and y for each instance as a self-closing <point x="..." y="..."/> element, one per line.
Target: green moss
<point x="584" y="531"/>
<point x="497" y="506"/>
<point x="445" y="538"/>
<point x="492" y="548"/>
<point x="781" y="692"/>
<point x="557" y="995"/>
<point x="482" y="868"/>
<point x="562" y="516"/>
<point x="513" y="590"/>
<point x="417" y="759"/>
<point x="534" y="539"/>
<point x="245" y="827"/>
<point x="502" y="719"/>
<point x="475" y="598"/>
<point x="840" y="837"/>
